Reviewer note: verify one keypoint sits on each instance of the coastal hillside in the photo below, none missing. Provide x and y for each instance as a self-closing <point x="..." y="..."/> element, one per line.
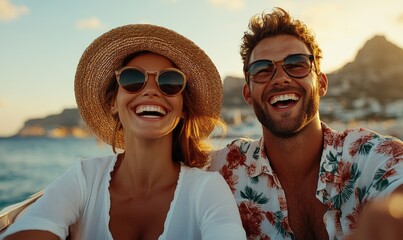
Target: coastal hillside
<point x="370" y="87"/>
<point x="66" y="123"/>
<point x="374" y="73"/>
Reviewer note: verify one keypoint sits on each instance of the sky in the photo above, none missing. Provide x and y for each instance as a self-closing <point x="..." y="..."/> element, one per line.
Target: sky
<point x="41" y="42"/>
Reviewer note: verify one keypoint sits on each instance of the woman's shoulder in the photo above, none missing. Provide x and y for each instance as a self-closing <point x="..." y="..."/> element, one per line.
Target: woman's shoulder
<point x="90" y="168"/>
<point x="97" y="163"/>
<point x="197" y="176"/>
<point x="200" y="183"/>
<point x="194" y="171"/>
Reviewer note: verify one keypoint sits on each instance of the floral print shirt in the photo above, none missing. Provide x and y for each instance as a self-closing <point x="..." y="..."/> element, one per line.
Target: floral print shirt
<point x="357" y="165"/>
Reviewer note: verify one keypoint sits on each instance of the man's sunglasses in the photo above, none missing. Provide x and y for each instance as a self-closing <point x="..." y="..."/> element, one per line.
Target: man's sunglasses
<point x="295" y="65"/>
<point x="170" y="81"/>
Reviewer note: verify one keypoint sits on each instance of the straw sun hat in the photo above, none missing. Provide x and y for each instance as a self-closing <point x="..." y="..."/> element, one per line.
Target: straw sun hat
<point x="95" y="71"/>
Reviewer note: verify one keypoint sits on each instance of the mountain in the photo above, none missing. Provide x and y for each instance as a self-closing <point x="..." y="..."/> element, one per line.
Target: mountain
<point x="371" y="86"/>
<point x="376" y="73"/>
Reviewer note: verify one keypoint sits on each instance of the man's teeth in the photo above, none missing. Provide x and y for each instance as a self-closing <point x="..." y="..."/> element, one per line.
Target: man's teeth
<point x="285" y="97"/>
<point x="150" y="110"/>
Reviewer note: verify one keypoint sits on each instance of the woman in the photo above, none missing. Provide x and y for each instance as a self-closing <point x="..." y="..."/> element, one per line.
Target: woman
<point x="154" y="94"/>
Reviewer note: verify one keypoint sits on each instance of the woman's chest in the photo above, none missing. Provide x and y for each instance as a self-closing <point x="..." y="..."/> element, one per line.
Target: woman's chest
<point x="139" y="217"/>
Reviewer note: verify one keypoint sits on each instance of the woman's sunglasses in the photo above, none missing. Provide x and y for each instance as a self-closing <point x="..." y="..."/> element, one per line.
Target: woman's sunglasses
<point x="170" y="81"/>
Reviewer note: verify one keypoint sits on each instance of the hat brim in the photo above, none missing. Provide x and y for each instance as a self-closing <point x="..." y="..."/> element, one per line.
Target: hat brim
<point x="105" y="54"/>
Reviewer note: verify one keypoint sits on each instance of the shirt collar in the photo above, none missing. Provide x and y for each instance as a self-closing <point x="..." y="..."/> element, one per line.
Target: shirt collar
<point x="329" y="164"/>
<point x="259" y="161"/>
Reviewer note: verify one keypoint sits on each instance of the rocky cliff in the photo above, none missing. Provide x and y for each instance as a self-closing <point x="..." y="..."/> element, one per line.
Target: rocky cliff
<point x="67" y="123"/>
<point x="376" y="72"/>
<point x="369" y="87"/>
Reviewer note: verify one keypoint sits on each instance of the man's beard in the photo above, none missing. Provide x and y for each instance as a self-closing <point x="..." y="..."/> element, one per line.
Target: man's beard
<point x="292" y="126"/>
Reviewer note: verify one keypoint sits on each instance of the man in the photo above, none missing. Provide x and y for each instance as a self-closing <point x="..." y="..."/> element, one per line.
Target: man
<point x="303" y="180"/>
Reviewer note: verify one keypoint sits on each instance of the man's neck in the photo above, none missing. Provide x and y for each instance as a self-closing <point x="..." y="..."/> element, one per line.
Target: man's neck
<point x="296" y="157"/>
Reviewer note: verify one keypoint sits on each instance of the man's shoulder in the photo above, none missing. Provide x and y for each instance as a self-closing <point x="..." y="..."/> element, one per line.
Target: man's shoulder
<point x="237" y="143"/>
<point x="359" y="143"/>
<point x="365" y="134"/>
<point x="355" y="136"/>
<point x="234" y="149"/>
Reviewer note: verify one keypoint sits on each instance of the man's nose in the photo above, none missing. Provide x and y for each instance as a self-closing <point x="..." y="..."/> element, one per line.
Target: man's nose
<point x="280" y="77"/>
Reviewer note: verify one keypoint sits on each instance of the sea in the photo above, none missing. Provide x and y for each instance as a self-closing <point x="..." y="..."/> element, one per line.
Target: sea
<point x="28" y="165"/>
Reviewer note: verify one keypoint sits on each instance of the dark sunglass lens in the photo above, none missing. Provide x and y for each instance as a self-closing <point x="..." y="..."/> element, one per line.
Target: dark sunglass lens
<point x="132" y="80"/>
<point x="171" y="82"/>
<point x="262" y="70"/>
<point x="260" y="66"/>
<point x="297" y="65"/>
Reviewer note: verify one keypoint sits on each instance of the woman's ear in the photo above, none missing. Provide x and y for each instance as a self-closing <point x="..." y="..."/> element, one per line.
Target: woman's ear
<point x="114" y="106"/>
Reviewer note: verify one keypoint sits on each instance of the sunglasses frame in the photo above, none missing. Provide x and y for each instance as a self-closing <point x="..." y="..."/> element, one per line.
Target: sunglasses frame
<point x="146" y="77"/>
<point x="310" y="57"/>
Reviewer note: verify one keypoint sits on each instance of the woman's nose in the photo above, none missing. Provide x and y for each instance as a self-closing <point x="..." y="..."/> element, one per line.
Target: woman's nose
<point x="151" y="87"/>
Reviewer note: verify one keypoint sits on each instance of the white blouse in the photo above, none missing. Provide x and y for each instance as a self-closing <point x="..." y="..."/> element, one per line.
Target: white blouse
<point x="203" y="206"/>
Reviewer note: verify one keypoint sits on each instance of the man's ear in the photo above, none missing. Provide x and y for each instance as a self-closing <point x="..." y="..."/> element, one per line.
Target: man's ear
<point x="247" y="95"/>
<point x="323" y="83"/>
